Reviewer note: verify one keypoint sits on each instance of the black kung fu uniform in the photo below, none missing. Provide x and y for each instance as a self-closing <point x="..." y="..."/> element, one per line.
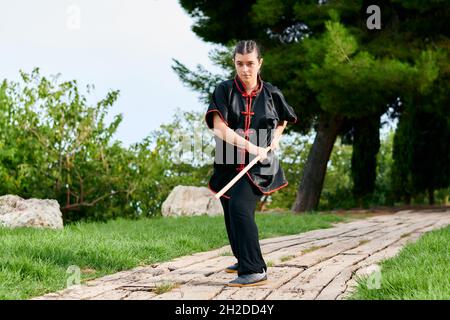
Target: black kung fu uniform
<point x="246" y="114"/>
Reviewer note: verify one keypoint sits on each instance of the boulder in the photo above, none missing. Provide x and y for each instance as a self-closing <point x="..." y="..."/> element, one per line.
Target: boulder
<point x="191" y="201"/>
<point x="18" y="212"/>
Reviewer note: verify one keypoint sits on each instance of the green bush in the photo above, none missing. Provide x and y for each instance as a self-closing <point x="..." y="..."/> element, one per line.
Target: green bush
<point x="53" y="144"/>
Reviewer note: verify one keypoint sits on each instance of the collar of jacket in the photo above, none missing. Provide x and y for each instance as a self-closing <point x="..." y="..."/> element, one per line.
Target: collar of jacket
<point x="243" y="90"/>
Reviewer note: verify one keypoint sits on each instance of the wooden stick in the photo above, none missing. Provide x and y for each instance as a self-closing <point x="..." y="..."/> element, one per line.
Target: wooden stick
<point x="235" y="179"/>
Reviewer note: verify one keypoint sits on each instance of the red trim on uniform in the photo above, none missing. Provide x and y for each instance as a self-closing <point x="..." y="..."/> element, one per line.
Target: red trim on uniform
<point x="271" y="191"/>
<point x="247" y="113"/>
<point x="293" y="121"/>
<point x="237" y="85"/>
<point x="221" y="116"/>
<point x="224" y="195"/>
<point x="243" y="89"/>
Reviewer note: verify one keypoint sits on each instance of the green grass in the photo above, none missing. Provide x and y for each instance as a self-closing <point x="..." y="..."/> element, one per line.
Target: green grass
<point x="165" y="287"/>
<point x="421" y="271"/>
<point x="34" y="261"/>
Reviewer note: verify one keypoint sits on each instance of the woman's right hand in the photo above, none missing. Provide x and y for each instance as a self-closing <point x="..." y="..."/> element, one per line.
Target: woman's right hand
<point x="258" y="151"/>
<point x="263" y="153"/>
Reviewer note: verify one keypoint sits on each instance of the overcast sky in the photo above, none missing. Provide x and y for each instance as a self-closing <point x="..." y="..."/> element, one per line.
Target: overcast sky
<point x="113" y="44"/>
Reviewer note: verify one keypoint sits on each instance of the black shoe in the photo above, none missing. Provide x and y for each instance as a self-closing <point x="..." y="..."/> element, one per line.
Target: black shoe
<point x="232" y="269"/>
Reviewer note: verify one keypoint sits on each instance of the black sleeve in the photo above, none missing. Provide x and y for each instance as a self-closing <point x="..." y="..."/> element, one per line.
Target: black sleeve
<point x="284" y="110"/>
<point x="218" y="104"/>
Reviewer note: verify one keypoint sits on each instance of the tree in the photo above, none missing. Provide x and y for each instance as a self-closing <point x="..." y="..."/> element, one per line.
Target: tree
<point x="335" y="71"/>
<point x="54" y="144"/>
<point x="421" y="148"/>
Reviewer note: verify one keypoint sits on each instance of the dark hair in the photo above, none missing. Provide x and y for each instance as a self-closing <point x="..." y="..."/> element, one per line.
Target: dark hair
<point x="245" y="47"/>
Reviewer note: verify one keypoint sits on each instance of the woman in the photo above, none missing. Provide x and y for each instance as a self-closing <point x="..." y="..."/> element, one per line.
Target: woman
<point x="246" y="114"/>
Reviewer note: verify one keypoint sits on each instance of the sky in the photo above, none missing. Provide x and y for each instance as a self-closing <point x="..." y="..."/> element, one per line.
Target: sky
<point x="112" y="44"/>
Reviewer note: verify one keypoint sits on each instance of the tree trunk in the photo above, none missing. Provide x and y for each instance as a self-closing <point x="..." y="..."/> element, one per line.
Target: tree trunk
<point x="407" y="198"/>
<point x="366" y="144"/>
<point x="430" y="196"/>
<point x="311" y="184"/>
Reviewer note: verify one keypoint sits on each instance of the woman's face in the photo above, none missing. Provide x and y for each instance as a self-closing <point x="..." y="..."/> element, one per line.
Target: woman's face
<point x="247" y="66"/>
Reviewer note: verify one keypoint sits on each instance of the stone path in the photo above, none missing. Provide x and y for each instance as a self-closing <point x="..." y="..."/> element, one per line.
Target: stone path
<point x="319" y="264"/>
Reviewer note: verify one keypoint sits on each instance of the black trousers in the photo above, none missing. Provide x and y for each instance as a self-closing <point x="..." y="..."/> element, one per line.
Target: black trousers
<point x="239" y="213"/>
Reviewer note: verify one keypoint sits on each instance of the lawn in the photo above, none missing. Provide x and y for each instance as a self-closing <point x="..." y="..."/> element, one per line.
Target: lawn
<point x="421" y="271"/>
<point x="36" y="261"/>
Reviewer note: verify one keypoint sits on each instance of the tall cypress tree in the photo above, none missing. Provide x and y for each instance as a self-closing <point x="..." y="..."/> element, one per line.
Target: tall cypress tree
<point x="421" y="146"/>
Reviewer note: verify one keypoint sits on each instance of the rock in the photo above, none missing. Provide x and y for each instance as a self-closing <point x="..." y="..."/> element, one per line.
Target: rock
<point x="191" y="201"/>
<point x="18" y="212"/>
